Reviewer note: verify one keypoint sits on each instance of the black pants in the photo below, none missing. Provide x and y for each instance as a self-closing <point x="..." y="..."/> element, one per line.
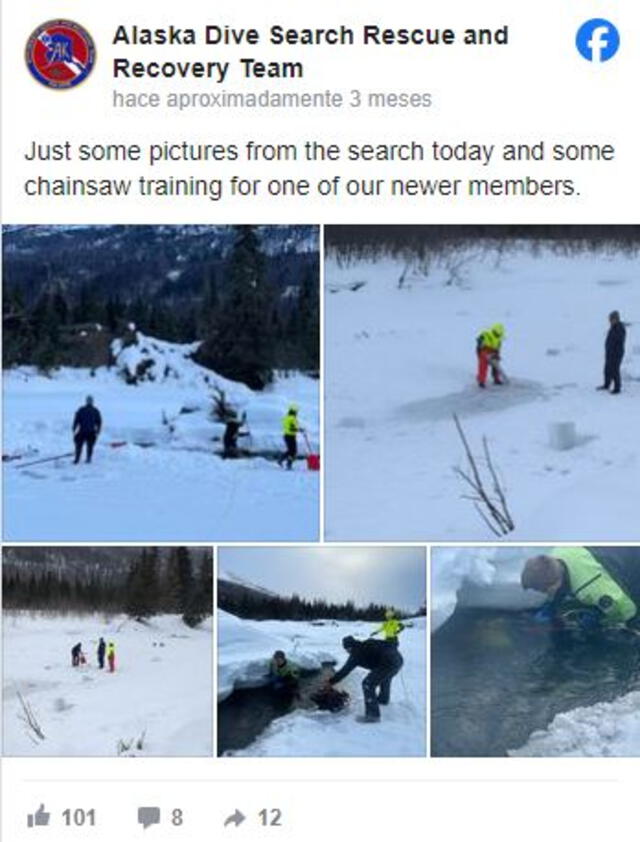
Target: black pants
<point x="84" y="438"/>
<point x="101" y="660"/>
<point x="377" y="685"/>
<point x="612" y="372"/>
<point x="291" y="452"/>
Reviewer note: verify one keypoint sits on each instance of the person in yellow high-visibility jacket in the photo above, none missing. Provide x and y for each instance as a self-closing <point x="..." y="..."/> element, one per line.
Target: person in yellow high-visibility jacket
<point x="390" y="629"/>
<point x="488" y="344"/>
<point x="592" y="587"/>
<point x="290" y="429"/>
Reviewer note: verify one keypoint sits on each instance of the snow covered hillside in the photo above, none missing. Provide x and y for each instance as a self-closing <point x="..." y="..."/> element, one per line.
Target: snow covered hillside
<point x="160" y="692"/>
<point x="154" y="476"/>
<point x="401" y="361"/>
<point x="245" y="648"/>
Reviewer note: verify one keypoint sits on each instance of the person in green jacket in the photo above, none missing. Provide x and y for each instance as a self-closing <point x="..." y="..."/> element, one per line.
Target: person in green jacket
<point x="593" y="588"/>
<point x="391" y="628"/>
<point x="488" y="345"/>
<point x="290" y="429"/>
<point x="284" y="675"/>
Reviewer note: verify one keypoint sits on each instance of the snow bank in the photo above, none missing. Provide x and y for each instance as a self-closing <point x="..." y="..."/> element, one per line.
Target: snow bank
<point x="161" y="689"/>
<point x="486" y="577"/>
<point x="607" y="729"/>
<point x="244" y="647"/>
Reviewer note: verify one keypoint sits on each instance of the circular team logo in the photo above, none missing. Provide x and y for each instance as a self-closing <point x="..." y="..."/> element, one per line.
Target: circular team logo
<point x="60" y="54"/>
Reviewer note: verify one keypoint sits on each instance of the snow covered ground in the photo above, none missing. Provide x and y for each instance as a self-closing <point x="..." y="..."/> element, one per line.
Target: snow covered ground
<point x="163" y="483"/>
<point x="608" y="729"/>
<point x="399" y="362"/>
<point x="245" y="648"/>
<point x="162" y="687"/>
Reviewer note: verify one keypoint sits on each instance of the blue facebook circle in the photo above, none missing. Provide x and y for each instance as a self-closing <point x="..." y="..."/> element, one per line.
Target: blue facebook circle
<point x="597" y="40"/>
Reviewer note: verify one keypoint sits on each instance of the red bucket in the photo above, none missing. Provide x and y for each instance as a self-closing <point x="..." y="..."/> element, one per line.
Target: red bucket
<point x="313" y="461"/>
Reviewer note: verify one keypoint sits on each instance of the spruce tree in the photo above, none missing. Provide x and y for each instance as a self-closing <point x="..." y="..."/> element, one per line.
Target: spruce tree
<point x="239" y="341"/>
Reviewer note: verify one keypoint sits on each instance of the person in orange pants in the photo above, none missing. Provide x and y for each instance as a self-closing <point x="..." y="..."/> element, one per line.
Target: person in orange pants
<point x="488" y="344"/>
<point x="111" y="657"/>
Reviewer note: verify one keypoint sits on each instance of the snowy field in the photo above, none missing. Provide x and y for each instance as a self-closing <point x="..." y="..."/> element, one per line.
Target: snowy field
<point x="149" y="480"/>
<point x="161" y="689"/>
<point x="244" y="651"/>
<point x="399" y="362"/>
<point x="489" y="577"/>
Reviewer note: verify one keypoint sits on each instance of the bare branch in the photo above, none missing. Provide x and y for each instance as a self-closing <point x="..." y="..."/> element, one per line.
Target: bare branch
<point x="494" y="512"/>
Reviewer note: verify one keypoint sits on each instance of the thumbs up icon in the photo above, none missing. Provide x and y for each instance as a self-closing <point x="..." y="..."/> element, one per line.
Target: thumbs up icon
<point x="38" y="819"/>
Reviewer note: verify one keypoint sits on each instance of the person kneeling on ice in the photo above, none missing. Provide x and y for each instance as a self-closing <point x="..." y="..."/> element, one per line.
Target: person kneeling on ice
<point x="488" y="344"/>
<point x="290" y="427"/>
<point x="591" y="589"/>
<point x="111" y="656"/>
<point x="102" y="648"/>
<point x="77" y="656"/>
<point x="284" y="676"/>
<point x="391" y="628"/>
<point x="383" y="660"/>
<point x="87" y="423"/>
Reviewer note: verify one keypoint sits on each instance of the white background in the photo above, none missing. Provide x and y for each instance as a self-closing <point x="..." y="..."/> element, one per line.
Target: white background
<point x="537" y="88"/>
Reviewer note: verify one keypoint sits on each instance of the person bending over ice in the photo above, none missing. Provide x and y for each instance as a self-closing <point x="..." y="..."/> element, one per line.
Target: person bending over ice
<point x="383" y="660"/>
<point x="593" y="589"/>
<point x="488" y="345"/>
<point x="77" y="657"/>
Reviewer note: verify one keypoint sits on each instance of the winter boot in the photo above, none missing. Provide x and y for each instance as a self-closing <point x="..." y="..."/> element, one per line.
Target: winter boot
<point x="365" y="720"/>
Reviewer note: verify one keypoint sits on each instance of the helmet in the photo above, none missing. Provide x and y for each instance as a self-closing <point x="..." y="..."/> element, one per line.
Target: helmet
<point x="389" y="614"/>
<point x="498" y="329"/>
<point x="348" y="642"/>
<point x="89" y="400"/>
<point x="279" y="655"/>
<point x="293" y="408"/>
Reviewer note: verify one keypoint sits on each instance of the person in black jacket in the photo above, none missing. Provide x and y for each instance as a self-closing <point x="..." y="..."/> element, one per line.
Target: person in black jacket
<point x="613" y="353"/>
<point x="87" y="423"/>
<point x="383" y="660"/>
<point x="102" y="648"/>
<point x="76" y="655"/>
<point x="232" y="431"/>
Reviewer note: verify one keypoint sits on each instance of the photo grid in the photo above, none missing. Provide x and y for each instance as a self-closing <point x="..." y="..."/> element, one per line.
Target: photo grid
<point x="284" y="491"/>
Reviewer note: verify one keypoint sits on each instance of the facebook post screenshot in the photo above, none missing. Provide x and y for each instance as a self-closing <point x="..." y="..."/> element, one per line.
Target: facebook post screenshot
<point x="320" y="419"/>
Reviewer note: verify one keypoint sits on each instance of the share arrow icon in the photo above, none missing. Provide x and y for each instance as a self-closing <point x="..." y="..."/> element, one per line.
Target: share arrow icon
<point x="235" y="818"/>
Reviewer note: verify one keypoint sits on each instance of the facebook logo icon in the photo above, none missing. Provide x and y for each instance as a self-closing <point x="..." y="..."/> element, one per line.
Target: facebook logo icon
<point x="597" y="40"/>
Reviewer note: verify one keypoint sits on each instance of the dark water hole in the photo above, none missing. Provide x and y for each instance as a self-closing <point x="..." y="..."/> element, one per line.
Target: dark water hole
<point x="498" y="676"/>
<point x="247" y="712"/>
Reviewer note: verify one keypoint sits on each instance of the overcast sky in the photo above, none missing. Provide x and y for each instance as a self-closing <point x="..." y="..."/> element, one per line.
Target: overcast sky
<point x="388" y="575"/>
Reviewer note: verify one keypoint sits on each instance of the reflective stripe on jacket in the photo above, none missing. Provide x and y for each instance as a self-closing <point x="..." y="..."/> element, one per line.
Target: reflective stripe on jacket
<point x="592" y="585"/>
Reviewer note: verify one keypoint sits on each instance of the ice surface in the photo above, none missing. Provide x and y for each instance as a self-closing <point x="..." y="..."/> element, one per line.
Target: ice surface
<point x="399" y="362"/>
